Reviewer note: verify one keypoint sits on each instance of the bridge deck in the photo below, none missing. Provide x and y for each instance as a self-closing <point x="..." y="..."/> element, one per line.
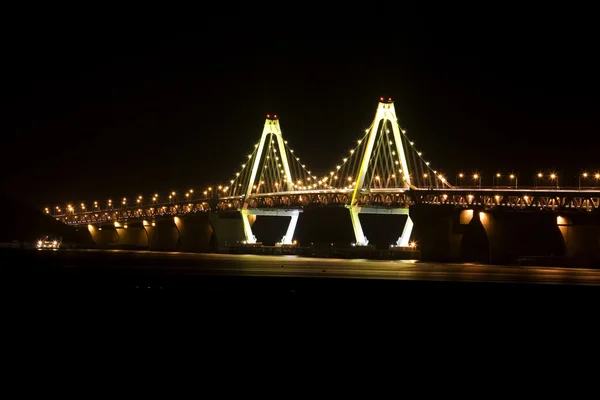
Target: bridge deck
<point x="575" y="199"/>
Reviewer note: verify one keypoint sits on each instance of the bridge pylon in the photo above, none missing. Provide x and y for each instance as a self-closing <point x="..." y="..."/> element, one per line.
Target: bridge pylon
<point x="384" y="163"/>
<point x="385" y="115"/>
<point x="271" y="139"/>
<point x="271" y="169"/>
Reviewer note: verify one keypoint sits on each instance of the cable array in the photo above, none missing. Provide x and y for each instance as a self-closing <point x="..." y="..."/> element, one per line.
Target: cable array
<point x="384" y="169"/>
<point x="271" y="175"/>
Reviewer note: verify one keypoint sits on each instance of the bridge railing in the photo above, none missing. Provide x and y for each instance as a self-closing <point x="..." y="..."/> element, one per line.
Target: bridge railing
<point x="552" y="200"/>
<point x="133" y="212"/>
<point x="518" y="187"/>
<point x="544" y="197"/>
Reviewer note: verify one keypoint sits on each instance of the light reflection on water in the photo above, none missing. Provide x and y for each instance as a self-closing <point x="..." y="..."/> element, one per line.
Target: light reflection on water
<point x="295" y="265"/>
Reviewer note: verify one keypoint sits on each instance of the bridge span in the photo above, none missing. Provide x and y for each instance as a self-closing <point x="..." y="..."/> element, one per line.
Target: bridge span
<point x="382" y="181"/>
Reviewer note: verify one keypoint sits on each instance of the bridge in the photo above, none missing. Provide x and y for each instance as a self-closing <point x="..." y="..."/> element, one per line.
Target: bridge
<point x="383" y="173"/>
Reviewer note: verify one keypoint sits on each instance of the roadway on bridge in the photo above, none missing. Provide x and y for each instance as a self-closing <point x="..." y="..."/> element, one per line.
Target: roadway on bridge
<point x="174" y="263"/>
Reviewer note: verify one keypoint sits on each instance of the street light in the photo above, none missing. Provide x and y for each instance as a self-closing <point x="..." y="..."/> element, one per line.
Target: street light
<point x="584" y="175"/>
<point x="513" y="176"/>
<point x="496" y="180"/>
<point x="597" y="177"/>
<point x="536" y="178"/>
<point x="442" y="179"/>
<point x="553" y="177"/>
<point x="477" y="177"/>
<point x="424" y="177"/>
<point x="459" y="179"/>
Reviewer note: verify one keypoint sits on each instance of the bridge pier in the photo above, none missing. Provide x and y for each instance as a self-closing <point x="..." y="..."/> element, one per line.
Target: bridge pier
<point x="435" y="231"/>
<point x="191" y="233"/>
<point x="150" y="228"/>
<point x="520" y="234"/>
<point x="249" y="217"/>
<point x="163" y="235"/>
<point x="362" y="240"/>
<point x="131" y="235"/>
<point x="195" y="232"/>
<point x="104" y="235"/>
<point x="228" y="229"/>
<point x="581" y="234"/>
<point x="446" y="233"/>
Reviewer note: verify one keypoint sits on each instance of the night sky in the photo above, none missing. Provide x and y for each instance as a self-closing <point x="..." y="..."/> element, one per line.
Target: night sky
<point x="94" y="113"/>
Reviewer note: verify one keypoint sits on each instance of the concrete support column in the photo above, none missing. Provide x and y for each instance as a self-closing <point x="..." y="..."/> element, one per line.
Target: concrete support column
<point x="249" y="217"/>
<point x="132" y="235"/>
<point x="513" y="234"/>
<point x="150" y="228"/>
<point x="228" y="229"/>
<point x="581" y="235"/>
<point x="434" y="230"/>
<point x="104" y="235"/>
<point x="165" y="235"/>
<point x="195" y="232"/>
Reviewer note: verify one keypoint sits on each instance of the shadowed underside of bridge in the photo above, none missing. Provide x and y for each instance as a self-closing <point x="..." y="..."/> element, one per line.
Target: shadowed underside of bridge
<point x="444" y="233"/>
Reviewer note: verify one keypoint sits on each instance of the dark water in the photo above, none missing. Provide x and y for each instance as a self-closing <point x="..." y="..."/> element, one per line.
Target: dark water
<point x="125" y="301"/>
<point x="289" y="279"/>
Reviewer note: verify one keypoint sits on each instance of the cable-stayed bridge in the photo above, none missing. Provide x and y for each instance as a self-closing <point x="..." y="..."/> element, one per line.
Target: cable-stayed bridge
<point x="383" y="173"/>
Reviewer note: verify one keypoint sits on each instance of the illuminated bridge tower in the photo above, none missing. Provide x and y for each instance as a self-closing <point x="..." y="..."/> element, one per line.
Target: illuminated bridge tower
<point x="271" y="171"/>
<point x="379" y="169"/>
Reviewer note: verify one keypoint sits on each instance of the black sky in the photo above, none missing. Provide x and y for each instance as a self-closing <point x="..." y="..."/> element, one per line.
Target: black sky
<point x="90" y="114"/>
